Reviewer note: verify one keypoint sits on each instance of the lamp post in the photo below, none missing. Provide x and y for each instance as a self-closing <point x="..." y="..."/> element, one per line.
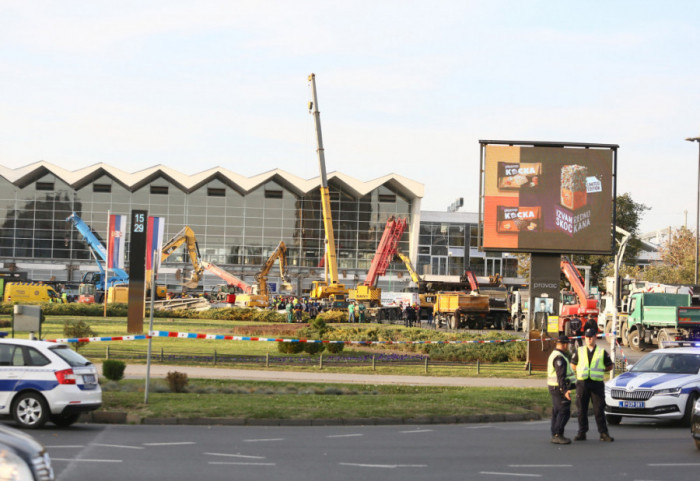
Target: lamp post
<point x="697" y="209"/>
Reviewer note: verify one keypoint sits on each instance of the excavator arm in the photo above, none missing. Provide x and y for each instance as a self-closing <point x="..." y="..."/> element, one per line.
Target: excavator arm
<point x="409" y="267"/>
<point x="261" y="277"/>
<point x="469" y="277"/>
<point x="186" y="236"/>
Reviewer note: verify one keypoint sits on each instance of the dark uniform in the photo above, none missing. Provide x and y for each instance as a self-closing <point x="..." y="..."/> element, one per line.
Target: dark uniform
<point x="590" y="386"/>
<point x="560" y="379"/>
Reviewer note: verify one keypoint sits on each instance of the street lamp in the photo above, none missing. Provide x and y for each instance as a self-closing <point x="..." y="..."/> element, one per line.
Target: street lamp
<point x="697" y="209"/>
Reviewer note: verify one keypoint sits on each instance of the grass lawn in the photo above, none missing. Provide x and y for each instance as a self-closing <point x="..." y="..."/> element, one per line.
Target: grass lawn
<point x="246" y="399"/>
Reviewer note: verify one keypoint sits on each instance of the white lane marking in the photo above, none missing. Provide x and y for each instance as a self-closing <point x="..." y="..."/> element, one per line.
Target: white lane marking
<point x="88" y="460"/>
<point x="417" y="431"/>
<point x="70" y="446"/>
<point x="479" y="427"/>
<point x="262" y="440"/>
<point x="344" y="435"/>
<point x="673" y="464"/>
<point x="227" y="463"/>
<point x="540" y="465"/>
<point x="117" y="446"/>
<point x="524" y="475"/>
<point x="385" y="466"/>
<point x="235" y="455"/>
<point x="182" y="443"/>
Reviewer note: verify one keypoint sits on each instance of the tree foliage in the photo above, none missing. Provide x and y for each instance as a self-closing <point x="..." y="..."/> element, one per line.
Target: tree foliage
<point x="677" y="260"/>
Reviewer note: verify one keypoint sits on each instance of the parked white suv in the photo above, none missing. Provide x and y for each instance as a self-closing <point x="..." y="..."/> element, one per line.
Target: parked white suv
<point x="44" y="381"/>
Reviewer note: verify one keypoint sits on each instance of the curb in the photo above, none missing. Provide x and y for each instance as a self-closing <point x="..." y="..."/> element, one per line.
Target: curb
<point x="125" y="418"/>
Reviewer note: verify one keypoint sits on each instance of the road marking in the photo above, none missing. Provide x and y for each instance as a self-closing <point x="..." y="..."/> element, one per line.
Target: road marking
<point x="182" y="443"/>
<point x="344" y="435"/>
<point x="117" y="446"/>
<point x="540" y="465"/>
<point x="524" y="475"/>
<point x="262" y="440"/>
<point x="385" y="466"/>
<point x="71" y="446"/>
<point x="479" y="427"/>
<point x="235" y="455"/>
<point x="226" y="463"/>
<point x="417" y="431"/>
<point x="88" y="460"/>
<point x="673" y="464"/>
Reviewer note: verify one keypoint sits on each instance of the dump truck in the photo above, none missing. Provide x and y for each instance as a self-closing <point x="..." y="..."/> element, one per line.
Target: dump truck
<point x="461" y="309"/>
<point x="656" y="317"/>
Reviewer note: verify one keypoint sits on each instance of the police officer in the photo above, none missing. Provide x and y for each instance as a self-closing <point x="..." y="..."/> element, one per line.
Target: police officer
<point x="591" y="363"/>
<point x="560" y="380"/>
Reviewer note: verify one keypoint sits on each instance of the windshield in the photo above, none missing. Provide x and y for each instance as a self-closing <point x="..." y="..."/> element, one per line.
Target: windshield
<point x="70" y="356"/>
<point x="671" y="363"/>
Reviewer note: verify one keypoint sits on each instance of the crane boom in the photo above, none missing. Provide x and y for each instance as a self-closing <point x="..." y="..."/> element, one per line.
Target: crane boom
<point x="575" y="279"/>
<point x="470" y="277"/>
<point x="228" y="277"/>
<point x="386" y="250"/>
<point x="330" y="288"/>
<point x="409" y="267"/>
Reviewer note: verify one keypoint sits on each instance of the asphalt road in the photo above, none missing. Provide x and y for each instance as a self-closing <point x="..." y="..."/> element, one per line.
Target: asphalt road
<point x="641" y="451"/>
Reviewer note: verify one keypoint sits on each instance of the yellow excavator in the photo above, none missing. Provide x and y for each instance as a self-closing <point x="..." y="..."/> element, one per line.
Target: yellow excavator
<point x="186" y="236"/>
<point x="425" y="294"/>
<point x="328" y="290"/>
<point x="259" y="294"/>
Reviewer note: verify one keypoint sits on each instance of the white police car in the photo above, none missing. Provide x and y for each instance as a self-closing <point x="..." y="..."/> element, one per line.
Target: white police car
<point x="664" y="384"/>
<point x="44" y="381"/>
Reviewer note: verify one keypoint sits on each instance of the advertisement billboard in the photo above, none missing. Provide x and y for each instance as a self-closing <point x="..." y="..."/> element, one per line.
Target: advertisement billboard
<point x="548" y="198"/>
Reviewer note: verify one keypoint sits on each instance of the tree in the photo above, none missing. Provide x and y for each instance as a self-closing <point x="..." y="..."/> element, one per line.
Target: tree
<point x="628" y="215"/>
<point x="677" y="260"/>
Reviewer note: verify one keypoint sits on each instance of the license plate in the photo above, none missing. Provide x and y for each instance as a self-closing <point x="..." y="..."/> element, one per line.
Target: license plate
<point x="631" y="404"/>
<point x="88" y="379"/>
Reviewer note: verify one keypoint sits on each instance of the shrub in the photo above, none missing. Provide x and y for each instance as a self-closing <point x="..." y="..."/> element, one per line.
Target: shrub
<point x="113" y="369"/>
<point x="313" y="348"/>
<point x="290" y="347"/>
<point x="177" y="381"/>
<point x="333" y="317"/>
<point x="335" y="348"/>
<point x="78" y="329"/>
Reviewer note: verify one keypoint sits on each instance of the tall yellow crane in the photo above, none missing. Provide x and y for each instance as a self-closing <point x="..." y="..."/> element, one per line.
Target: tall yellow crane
<point x="329" y="289"/>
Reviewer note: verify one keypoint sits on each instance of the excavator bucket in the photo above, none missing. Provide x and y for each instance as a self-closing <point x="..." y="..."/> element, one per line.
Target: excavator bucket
<point x="286" y="287"/>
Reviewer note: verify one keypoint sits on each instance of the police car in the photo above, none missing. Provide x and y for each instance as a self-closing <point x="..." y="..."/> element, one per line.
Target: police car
<point x="664" y="384"/>
<point x="44" y="381"/>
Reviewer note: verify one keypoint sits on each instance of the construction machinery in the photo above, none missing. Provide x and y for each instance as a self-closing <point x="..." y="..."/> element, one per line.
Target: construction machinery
<point x="186" y="236"/>
<point x="368" y="293"/>
<point x="328" y="290"/>
<point x="248" y="295"/>
<point x="580" y="304"/>
<point x="92" y="286"/>
<point x="426" y="294"/>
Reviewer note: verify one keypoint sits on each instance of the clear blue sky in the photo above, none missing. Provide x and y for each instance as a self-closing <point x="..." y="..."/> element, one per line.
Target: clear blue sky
<point x="405" y="87"/>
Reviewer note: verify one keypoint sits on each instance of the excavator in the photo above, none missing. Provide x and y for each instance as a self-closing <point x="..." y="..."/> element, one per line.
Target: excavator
<point x="368" y="293"/>
<point x="257" y="295"/>
<point x="186" y="236"/>
<point x="581" y="306"/>
<point x="329" y="290"/>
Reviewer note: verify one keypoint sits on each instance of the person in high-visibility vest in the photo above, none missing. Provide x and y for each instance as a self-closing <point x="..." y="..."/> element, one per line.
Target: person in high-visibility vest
<point x="560" y="381"/>
<point x="591" y="363"/>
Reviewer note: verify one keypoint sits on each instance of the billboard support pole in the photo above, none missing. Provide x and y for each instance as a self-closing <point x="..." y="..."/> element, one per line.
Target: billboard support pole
<point x="479" y="220"/>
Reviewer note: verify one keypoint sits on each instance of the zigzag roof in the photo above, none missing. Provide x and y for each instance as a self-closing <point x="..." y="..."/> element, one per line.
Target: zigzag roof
<point x="77" y="179"/>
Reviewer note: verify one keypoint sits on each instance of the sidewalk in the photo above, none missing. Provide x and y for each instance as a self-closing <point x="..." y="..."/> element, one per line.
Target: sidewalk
<point x="138" y="371"/>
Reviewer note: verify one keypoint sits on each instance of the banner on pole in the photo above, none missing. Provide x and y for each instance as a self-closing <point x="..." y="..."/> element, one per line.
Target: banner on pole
<point x="116" y="242"/>
<point x="154" y="241"/>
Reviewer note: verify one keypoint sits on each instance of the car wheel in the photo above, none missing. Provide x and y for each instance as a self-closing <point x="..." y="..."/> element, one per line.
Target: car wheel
<point x="64" y="420"/>
<point x="692" y="398"/>
<point x="613" y="419"/>
<point x="30" y="410"/>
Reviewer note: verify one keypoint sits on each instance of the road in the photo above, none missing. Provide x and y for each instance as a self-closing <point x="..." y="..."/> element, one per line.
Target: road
<point x="641" y="451"/>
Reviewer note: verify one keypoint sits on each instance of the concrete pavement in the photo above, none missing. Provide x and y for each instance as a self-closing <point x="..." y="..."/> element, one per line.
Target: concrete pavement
<point x="138" y="371"/>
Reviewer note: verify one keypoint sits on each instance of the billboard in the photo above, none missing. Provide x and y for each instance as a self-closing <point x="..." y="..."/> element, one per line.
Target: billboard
<point x="548" y="198"/>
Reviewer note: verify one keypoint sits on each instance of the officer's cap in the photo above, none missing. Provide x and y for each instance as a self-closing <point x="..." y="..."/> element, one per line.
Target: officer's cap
<point x="590" y="333"/>
<point x="563" y="339"/>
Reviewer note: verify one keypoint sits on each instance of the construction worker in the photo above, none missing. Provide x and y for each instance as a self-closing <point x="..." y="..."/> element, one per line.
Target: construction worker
<point x="351" y="312"/>
<point x="361" y="312"/>
<point x="591" y="363"/>
<point x="560" y="381"/>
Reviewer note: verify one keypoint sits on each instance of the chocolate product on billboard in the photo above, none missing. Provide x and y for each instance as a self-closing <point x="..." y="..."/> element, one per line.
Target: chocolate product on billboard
<point x="573" y="186"/>
<point x="518" y="219"/>
<point x="514" y="176"/>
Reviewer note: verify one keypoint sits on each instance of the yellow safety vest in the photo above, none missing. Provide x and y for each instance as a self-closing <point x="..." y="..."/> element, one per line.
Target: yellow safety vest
<point x="552" y="373"/>
<point x="596" y="370"/>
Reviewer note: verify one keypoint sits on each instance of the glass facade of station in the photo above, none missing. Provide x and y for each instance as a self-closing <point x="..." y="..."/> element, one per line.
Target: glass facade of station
<point x="233" y="228"/>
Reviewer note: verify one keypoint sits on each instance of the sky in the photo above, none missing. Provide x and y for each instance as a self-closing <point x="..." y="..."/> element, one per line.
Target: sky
<point x="404" y="87"/>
